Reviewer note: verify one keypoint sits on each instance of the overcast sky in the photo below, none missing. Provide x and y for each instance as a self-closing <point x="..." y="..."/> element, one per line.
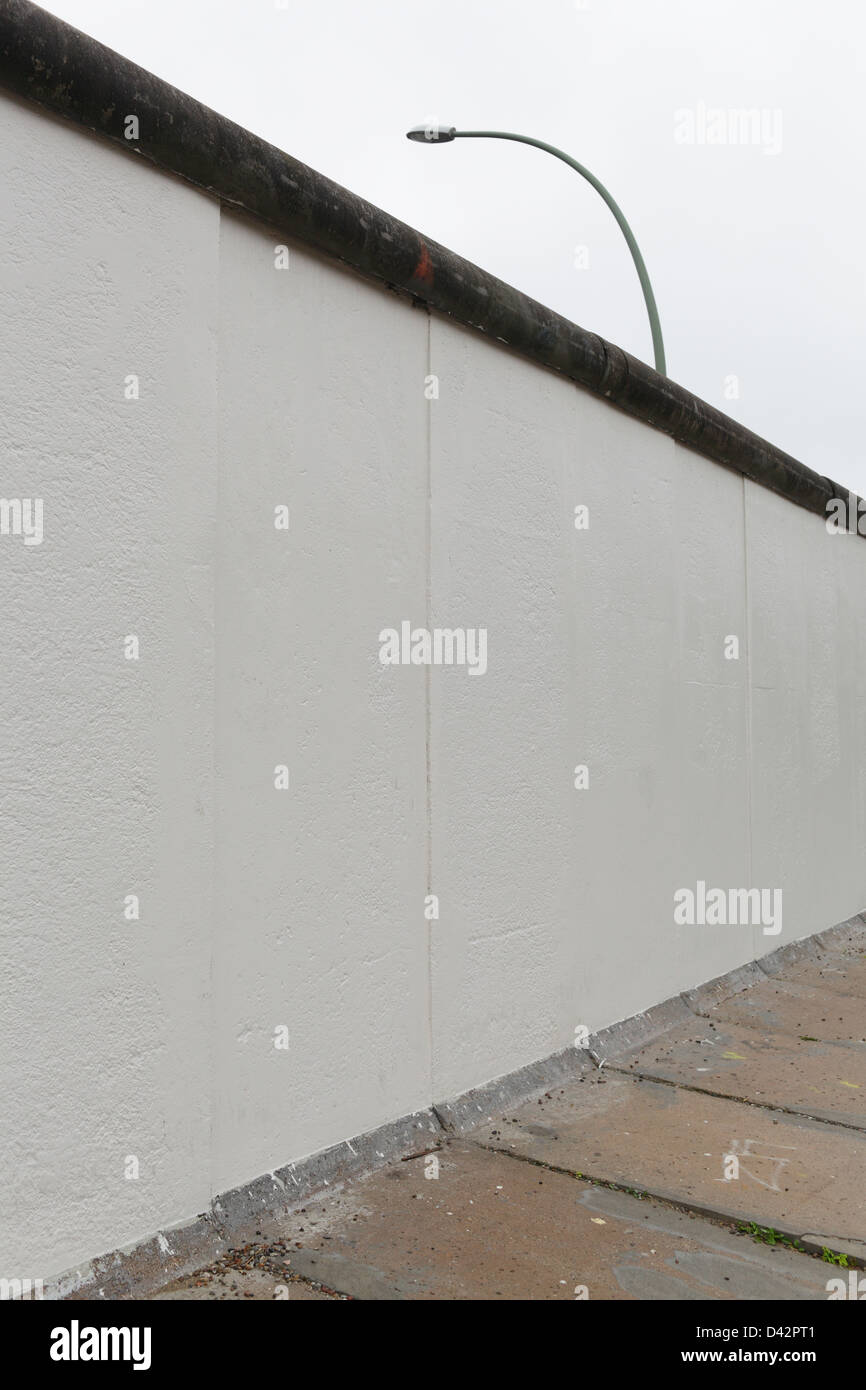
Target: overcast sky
<point x="754" y="246"/>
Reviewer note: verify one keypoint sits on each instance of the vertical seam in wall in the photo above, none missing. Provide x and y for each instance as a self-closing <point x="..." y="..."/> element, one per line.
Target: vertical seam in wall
<point x="428" y="676"/>
<point x="748" y="616"/>
<point x="213" y="1050"/>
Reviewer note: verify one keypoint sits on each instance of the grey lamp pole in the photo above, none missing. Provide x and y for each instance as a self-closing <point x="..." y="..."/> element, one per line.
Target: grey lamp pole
<point x="444" y="134"/>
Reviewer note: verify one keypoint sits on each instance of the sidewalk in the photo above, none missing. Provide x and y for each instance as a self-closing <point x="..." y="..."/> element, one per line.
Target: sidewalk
<point x="722" y="1158"/>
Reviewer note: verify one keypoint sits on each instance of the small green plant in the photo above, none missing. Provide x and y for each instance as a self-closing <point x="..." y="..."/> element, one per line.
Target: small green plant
<point x="834" y="1257"/>
<point x="768" y="1235"/>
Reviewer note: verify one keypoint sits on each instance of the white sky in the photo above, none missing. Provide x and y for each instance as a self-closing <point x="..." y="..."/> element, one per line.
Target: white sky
<point x="756" y="258"/>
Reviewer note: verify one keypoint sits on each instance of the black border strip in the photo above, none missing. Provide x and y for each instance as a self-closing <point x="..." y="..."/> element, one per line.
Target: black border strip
<point x="47" y="61"/>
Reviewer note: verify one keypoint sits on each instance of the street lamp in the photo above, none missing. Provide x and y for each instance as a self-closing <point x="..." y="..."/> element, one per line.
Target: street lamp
<point x="442" y="135"/>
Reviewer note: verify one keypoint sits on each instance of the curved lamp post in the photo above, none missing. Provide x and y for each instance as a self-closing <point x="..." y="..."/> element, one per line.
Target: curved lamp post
<point x="443" y="134"/>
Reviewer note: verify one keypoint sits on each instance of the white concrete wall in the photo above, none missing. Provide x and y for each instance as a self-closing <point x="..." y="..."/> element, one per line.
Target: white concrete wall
<point x="305" y="908"/>
<point x="319" y="923"/>
<point x="606" y="649"/>
<point x="106" y="765"/>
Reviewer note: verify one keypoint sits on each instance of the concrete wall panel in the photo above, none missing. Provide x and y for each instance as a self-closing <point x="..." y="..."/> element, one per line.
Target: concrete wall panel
<point x="606" y="649"/>
<point x="808" y="642"/>
<point x="107" y="763"/>
<point x="320" y="923"/>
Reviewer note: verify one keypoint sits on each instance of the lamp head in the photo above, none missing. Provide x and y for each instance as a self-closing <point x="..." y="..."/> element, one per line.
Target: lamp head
<point x="432" y="134"/>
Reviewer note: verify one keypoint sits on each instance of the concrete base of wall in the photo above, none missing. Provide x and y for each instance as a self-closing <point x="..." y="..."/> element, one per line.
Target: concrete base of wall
<point x="254" y="1210"/>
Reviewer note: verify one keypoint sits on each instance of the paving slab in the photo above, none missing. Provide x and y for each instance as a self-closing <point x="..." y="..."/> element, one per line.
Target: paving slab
<point x="492" y="1227"/>
<point x="801" y="1010"/>
<point x="837" y="974"/>
<point x="780" y="1070"/>
<point x="793" y="1174"/>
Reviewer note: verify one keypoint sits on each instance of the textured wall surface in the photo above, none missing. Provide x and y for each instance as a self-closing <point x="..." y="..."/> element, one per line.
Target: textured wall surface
<point x="319" y="923"/>
<point x="106" y="764"/>
<point x="430" y="476"/>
